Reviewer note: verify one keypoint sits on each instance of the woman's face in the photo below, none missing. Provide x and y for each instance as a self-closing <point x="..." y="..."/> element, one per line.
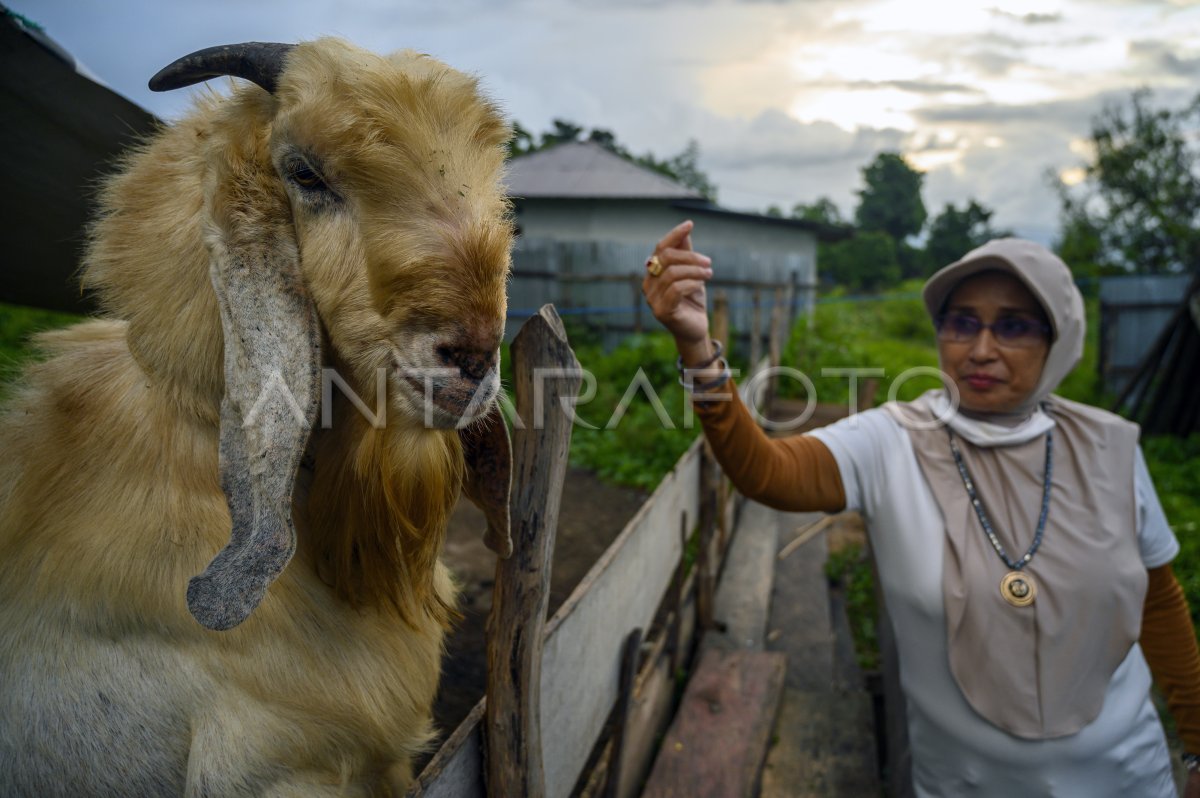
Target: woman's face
<point x="995" y="368"/>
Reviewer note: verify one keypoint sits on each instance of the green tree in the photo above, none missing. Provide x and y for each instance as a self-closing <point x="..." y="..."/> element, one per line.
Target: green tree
<point x="521" y="142"/>
<point x="866" y="262"/>
<point x="605" y="138"/>
<point x="954" y="232"/>
<point x="1138" y="208"/>
<point x="563" y="131"/>
<point x="822" y="210"/>
<point x="890" y="201"/>
<point x="685" y="167"/>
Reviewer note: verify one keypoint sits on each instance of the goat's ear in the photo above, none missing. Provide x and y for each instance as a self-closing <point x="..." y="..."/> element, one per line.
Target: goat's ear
<point x="272" y="388"/>
<point x="488" y="457"/>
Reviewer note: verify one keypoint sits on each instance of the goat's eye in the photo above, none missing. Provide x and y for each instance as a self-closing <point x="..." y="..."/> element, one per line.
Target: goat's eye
<point x="306" y="177"/>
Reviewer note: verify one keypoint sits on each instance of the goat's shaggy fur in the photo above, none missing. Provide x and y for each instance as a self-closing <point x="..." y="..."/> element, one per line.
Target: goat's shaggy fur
<point x="110" y="488"/>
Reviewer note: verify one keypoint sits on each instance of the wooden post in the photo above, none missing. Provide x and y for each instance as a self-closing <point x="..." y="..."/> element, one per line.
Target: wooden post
<point x="631" y="659"/>
<point x="793" y="298"/>
<point x="756" y="328"/>
<point x="635" y="282"/>
<point x="679" y="599"/>
<point x="775" y="343"/>
<point x="720" y="321"/>
<point x="706" y="576"/>
<point x="561" y="267"/>
<point x="521" y="593"/>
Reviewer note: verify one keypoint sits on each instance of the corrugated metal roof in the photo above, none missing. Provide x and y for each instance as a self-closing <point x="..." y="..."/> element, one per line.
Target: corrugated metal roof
<point x="584" y="169"/>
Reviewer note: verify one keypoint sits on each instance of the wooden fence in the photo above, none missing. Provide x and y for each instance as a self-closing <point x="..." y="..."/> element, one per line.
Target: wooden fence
<point x="608" y="657"/>
<point x="600" y="284"/>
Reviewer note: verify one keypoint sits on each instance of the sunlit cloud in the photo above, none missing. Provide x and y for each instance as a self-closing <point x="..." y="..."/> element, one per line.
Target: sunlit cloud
<point x="1073" y="176"/>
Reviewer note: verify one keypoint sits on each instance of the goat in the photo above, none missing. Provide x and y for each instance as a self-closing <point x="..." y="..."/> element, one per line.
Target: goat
<point x="345" y="213"/>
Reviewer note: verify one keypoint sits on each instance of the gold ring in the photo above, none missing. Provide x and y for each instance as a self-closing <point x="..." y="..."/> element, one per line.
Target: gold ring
<point x="654" y="266"/>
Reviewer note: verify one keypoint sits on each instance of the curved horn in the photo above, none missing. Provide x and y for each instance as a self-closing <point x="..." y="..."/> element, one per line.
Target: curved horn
<point x="258" y="62"/>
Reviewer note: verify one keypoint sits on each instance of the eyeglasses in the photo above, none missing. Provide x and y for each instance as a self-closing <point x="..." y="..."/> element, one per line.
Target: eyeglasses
<point x="1016" y="332"/>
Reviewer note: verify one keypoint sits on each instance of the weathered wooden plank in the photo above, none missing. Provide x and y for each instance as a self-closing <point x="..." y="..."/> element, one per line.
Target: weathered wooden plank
<point x="522" y="588"/>
<point x="743" y="599"/>
<point x="718" y="741"/>
<point x="630" y="660"/>
<point x="456" y="770"/>
<point x="707" y="555"/>
<point x="620" y="593"/>
<point x="649" y="717"/>
<point x="824" y="747"/>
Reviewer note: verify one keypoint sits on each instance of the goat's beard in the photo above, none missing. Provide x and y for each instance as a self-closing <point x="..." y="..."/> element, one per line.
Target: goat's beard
<point x="378" y="508"/>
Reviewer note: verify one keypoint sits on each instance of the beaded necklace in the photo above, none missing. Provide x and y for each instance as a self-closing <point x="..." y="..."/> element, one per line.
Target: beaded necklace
<point x="1017" y="587"/>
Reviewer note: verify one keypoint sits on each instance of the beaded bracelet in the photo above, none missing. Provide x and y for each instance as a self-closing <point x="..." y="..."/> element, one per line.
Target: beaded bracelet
<point x="704" y="387"/>
<point x="718" y="350"/>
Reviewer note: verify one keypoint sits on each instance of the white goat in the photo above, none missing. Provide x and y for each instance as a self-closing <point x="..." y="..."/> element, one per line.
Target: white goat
<point x="346" y="214"/>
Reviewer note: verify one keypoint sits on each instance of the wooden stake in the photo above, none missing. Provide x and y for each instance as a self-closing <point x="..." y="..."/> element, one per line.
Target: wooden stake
<point x="720" y="320"/>
<point x="521" y="593"/>
<point x="630" y="661"/>
<point x="710" y="486"/>
<point x="756" y="329"/>
<point x="679" y="598"/>
<point x="806" y="534"/>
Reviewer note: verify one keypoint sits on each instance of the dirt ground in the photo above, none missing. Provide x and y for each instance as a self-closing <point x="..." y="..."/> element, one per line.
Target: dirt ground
<point x="592" y="514"/>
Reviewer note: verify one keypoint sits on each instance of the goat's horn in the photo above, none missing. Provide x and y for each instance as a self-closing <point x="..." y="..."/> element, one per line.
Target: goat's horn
<point x="259" y="62"/>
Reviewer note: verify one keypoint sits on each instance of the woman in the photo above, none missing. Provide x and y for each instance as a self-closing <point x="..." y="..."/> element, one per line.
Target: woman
<point x="1020" y="545"/>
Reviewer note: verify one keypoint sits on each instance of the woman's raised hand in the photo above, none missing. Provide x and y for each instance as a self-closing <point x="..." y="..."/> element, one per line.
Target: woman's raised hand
<point x="676" y="293"/>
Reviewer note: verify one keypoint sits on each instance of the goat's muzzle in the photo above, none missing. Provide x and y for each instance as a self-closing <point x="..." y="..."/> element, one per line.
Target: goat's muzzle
<point x="458" y="387"/>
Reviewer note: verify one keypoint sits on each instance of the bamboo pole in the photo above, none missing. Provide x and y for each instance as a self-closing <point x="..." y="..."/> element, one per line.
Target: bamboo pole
<point x="522" y="589"/>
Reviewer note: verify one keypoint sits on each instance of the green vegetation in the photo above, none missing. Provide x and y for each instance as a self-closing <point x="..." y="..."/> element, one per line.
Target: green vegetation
<point x="891" y="332"/>
<point x="635" y="447"/>
<point x="17" y="325"/>
<point x="850" y="569"/>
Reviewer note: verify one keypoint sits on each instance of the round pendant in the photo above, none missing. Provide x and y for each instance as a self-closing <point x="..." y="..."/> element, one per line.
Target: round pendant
<point x="1018" y="588"/>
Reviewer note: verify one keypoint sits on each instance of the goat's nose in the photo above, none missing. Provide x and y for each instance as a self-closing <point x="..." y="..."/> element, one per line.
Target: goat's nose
<point x="472" y="363"/>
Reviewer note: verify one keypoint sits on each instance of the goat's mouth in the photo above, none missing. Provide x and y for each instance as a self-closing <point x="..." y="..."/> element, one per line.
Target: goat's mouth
<point x="445" y="398"/>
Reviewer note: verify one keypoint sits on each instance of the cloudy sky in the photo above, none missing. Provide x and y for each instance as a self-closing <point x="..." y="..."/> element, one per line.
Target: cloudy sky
<point x="787" y="98"/>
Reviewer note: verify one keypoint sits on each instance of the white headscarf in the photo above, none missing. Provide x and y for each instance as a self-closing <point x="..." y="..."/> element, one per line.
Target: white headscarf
<point x="1050" y="282"/>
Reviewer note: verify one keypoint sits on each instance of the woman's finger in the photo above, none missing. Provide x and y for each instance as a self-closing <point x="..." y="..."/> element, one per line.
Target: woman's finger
<point x="656" y="287"/>
<point x="672" y="256"/>
<point x="675" y="237"/>
<point x="682" y="288"/>
<point x="681" y="271"/>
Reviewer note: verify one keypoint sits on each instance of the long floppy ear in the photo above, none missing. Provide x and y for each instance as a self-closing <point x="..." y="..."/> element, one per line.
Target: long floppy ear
<point x="272" y="380"/>
<point x="488" y="456"/>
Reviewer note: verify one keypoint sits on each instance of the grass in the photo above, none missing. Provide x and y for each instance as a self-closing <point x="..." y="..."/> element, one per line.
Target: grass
<point x="17" y="325"/>
<point x="636" y="428"/>
<point x="850" y="568"/>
